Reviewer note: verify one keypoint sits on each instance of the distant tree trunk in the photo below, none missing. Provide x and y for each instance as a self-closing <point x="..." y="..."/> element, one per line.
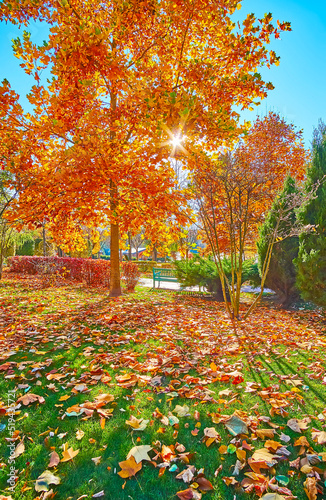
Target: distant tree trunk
<point x="137" y="253"/>
<point x="44" y="239"/>
<point x="129" y="243"/>
<point x="1" y="262"/>
<point x="115" y="287"/>
<point x="155" y="254"/>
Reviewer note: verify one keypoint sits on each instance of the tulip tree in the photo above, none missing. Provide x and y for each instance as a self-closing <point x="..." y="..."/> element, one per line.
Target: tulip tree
<point x="129" y="81"/>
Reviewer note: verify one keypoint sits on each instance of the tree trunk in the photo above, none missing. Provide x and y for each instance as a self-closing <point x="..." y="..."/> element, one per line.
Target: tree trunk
<point x="115" y="287"/>
<point x="129" y="243"/>
<point x="44" y="240"/>
<point x="1" y="263"/>
<point x="137" y="254"/>
<point x="155" y="255"/>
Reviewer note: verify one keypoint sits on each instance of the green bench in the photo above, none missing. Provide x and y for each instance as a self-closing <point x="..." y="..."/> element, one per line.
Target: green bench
<point x="166" y="275"/>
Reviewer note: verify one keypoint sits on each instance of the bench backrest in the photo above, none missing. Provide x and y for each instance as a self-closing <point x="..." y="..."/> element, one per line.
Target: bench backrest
<point x="163" y="273"/>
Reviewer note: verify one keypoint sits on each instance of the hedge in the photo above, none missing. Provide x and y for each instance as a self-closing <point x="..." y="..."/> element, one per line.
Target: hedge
<point x="94" y="272"/>
<point x="67" y="266"/>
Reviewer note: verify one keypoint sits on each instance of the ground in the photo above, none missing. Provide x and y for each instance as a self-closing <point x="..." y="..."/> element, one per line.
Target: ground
<point x="94" y="377"/>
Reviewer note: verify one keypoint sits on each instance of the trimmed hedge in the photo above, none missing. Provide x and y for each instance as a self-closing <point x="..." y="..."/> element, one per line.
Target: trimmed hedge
<point x="94" y="272"/>
<point x="67" y="266"/>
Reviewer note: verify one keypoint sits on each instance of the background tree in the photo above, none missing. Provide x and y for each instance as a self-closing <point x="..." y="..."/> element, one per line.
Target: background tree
<point x="311" y="261"/>
<point x="235" y="190"/>
<point x="9" y="236"/>
<point x="281" y="274"/>
<point x="137" y="241"/>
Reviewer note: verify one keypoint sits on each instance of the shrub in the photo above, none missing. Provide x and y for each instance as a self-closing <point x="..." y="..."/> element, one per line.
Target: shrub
<point x="27" y="248"/>
<point x="130" y="275"/>
<point x="96" y="272"/>
<point x="203" y="272"/>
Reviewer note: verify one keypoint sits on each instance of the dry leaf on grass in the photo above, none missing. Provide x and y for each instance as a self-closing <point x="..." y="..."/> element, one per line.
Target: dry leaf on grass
<point x="129" y="467"/>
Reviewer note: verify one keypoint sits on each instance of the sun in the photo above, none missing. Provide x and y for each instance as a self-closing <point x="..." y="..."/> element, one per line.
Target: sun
<point x="176" y="141"/>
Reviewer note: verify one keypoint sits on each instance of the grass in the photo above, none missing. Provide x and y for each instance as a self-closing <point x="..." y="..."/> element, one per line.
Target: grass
<point x="188" y="342"/>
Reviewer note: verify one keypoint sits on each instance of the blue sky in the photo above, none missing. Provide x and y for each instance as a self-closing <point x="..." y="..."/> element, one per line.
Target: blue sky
<point x="299" y="80"/>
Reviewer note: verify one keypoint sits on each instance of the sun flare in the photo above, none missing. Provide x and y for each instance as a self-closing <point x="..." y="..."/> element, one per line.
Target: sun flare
<point x="176" y="141"/>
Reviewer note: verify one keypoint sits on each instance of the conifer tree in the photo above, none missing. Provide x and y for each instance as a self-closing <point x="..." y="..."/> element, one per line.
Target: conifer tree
<point x="281" y="276"/>
<point x="311" y="261"/>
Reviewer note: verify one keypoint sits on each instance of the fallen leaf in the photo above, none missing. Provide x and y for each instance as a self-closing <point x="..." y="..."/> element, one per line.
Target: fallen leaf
<point x="204" y="484"/>
<point x="310" y="488"/>
<point x="272" y="496"/>
<point x="138" y="424"/>
<point x="182" y="411"/>
<point x="45" y="479"/>
<point x="265" y="433"/>
<point x="54" y="459"/>
<point x="68" y="453"/>
<point x="80" y="434"/>
<point x="186" y="475"/>
<point x="319" y="436"/>
<point x="20" y="448"/>
<point x="236" y="426"/>
<point x="140" y="453"/>
<point x="29" y="398"/>
<point x="129" y="467"/>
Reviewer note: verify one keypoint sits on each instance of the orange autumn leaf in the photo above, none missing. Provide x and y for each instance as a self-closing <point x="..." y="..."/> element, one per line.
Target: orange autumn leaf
<point x="68" y="453"/>
<point x="129" y="467"/>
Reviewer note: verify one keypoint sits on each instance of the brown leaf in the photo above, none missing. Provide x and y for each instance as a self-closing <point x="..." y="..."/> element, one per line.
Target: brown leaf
<point x="20" y="448"/>
<point x="204" y="484"/>
<point x="185" y="494"/>
<point x="54" y="459"/>
<point x="310" y="488"/>
<point x="265" y="433"/>
<point x="319" y="436"/>
<point x="29" y="398"/>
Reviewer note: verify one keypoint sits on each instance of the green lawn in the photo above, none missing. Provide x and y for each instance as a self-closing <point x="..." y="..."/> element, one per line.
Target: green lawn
<point x="153" y="351"/>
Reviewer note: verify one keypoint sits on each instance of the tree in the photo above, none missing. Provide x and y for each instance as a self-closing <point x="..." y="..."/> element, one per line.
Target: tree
<point x="311" y="261"/>
<point x="236" y="189"/>
<point x="281" y="275"/>
<point x="125" y="74"/>
<point x="137" y="241"/>
<point x="9" y="236"/>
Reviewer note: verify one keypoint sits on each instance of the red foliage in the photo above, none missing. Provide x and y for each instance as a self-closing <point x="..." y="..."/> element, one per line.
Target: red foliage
<point x="96" y="272"/>
<point x="130" y="275"/>
<point x="68" y="267"/>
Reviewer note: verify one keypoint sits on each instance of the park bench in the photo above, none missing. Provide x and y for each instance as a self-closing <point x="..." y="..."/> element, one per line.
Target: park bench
<point x="166" y="275"/>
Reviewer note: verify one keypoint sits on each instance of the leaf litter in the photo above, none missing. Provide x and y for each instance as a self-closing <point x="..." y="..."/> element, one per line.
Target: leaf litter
<point x="185" y="351"/>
